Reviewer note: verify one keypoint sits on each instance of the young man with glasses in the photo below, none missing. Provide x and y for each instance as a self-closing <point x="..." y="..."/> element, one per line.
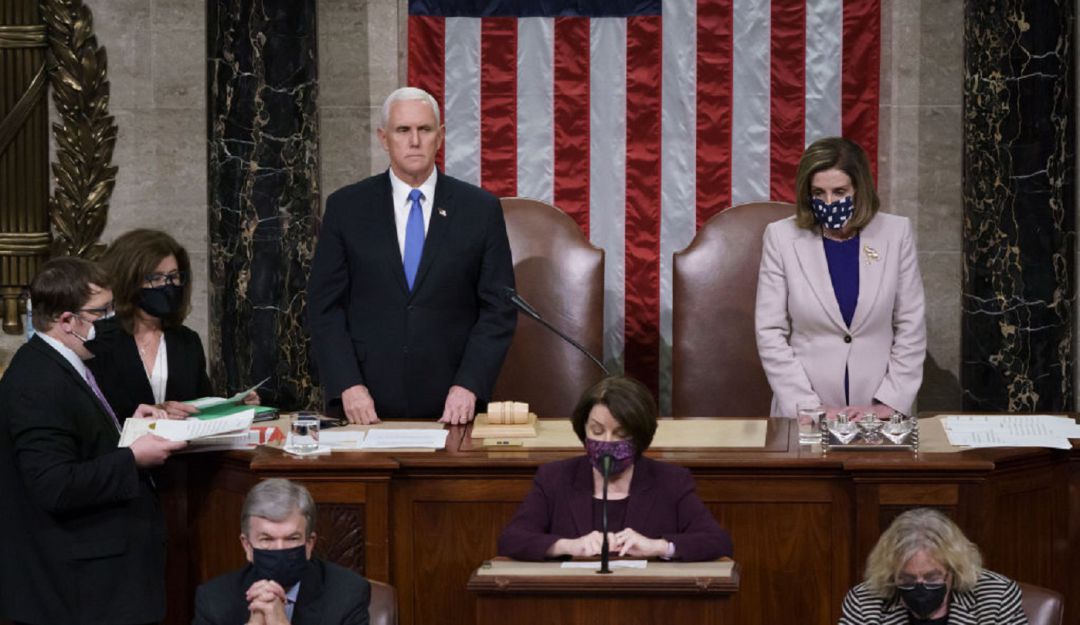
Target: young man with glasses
<point x="85" y="535"/>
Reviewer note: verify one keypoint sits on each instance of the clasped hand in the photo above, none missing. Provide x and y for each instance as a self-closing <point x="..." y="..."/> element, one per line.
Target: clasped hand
<point x="266" y="603"/>
<point x="625" y="542"/>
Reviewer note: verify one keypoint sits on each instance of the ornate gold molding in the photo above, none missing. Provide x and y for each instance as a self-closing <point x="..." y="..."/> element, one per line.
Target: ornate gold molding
<point x="32" y="36"/>
<point x="83" y="174"/>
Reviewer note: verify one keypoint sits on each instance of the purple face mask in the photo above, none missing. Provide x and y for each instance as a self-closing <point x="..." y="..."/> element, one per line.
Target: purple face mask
<point x="623" y="452"/>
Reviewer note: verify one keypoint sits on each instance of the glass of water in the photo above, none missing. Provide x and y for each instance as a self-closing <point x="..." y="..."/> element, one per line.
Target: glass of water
<point x="809" y="416"/>
<point x="305" y="432"/>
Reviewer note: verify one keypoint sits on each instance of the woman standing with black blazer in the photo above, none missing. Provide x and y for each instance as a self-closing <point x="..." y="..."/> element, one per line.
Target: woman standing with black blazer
<point x="144" y="354"/>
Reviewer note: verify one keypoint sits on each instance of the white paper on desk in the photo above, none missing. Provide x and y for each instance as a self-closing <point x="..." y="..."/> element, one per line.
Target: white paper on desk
<point x="1000" y="438"/>
<point x="185" y="429"/>
<point x="1027" y="425"/>
<point x="341" y="440"/>
<point x="421" y="438"/>
<point x="614" y="564"/>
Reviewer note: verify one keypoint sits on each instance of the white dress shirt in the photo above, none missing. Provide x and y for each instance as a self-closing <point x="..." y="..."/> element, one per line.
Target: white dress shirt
<point x="402" y="204"/>
<point x="159" y="375"/>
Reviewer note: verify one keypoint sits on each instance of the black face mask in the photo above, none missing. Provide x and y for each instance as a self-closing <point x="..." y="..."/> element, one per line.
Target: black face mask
<point x="284" y="566"/>
<point x="923" y="601"/>
<point x="161" y="301"/>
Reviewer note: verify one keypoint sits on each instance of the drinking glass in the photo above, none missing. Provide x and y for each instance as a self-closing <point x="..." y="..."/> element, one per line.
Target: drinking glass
<point x="809" y="416"/>
<point x="305" y="432"/>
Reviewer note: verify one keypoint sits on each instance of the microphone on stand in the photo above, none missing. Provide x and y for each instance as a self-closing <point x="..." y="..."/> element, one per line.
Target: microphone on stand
<point x="519" y="302"/>
<point x="605" y="551"/>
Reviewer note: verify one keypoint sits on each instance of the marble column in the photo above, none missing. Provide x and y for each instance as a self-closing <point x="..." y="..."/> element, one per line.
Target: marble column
<point x="264" y="197"/>
<point x="1019" y="205"/>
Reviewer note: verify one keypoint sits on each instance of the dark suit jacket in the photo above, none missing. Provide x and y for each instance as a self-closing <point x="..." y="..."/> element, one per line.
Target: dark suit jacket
<point x="84" y="537"/>
<point x="329" y="595"/>
<point x="409" y="348"/>
<point x="120" y="374"/>
<point x="662" y="503"/>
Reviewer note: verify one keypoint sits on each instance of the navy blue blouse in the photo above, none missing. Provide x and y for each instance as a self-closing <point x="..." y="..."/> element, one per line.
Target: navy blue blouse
<point x="843" y="259"/>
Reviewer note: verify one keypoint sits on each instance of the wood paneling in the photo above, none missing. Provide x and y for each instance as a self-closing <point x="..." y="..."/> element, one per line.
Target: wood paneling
<point x="802" y="524"/>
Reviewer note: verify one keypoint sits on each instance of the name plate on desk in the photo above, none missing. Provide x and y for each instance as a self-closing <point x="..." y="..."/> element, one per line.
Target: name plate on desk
<point x="502" y="575"/>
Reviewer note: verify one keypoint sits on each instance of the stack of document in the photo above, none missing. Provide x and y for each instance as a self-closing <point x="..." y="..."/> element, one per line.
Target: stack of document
<point x="217" y="407"/>
<point x="384" y="438"/>
<point x="1013" y="430"/>
<point x="233" y="431"/>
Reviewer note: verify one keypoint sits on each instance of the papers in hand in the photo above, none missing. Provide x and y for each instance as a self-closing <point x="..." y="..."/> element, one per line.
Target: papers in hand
<point x="203" y="403"/>
<point x="190" y="429"/>
<point x="614" y="564"/>
<point x="1010" y="431"/>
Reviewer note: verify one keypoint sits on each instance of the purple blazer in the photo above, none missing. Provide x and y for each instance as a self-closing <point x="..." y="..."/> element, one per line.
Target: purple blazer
<point x="662" y="503"/>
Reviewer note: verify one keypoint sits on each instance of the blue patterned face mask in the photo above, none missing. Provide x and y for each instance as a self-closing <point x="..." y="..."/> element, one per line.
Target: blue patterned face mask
<point x="832" y="216"/>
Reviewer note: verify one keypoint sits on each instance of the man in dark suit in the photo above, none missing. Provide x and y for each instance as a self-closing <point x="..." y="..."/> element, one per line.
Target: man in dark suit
<point x="84" y="537"/>
<point x="405" y="298"/>
<point x="281" y="583"/>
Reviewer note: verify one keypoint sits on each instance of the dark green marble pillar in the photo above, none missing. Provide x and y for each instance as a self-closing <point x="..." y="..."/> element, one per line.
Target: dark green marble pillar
<point x="1019" y="205"/>
<point x="264" y="197"/>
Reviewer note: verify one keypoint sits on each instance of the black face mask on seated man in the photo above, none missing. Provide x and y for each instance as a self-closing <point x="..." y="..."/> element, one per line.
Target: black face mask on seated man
<point x="160" y="301"/>
<point x="922" y="600"/>
<point x="284" y="566"/>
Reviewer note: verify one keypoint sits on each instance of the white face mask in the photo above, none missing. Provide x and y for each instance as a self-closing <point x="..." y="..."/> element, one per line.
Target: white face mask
<point x="89" y="335"/>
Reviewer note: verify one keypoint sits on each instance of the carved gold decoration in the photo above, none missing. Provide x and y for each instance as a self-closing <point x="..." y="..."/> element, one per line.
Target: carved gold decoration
<point x="32" y="36"/>
<point x="25" y="238"/>
<point x="83" y="174"/>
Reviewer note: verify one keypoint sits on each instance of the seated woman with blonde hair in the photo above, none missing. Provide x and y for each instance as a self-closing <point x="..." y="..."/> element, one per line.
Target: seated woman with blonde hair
<point x="924" y="570"/>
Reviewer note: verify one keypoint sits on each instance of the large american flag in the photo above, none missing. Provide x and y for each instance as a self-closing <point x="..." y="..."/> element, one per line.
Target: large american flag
<point x="642" y="119"/>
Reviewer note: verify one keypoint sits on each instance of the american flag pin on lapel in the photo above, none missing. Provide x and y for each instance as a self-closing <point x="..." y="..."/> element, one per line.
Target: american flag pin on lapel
<point x="442" y="212"/>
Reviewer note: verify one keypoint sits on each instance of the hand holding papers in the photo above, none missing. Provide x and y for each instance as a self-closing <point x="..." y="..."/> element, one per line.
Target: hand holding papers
<point x="192" y="430"/>
<point x="1010" y="431"/>
<point x="214" y="407"/>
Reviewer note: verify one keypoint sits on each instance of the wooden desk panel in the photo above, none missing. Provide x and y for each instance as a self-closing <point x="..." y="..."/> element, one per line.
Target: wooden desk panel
<point x="802" y="523"/>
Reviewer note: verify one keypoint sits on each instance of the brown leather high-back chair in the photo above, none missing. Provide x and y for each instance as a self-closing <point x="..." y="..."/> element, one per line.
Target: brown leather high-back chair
<point x="383" y="607"/>
<point x="561" y="274"/>
<point x="715" y="366"/>
<point x="1042" y="605"/>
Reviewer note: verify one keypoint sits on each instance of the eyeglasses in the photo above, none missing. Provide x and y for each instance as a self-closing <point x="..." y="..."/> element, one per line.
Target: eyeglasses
<point x="932" y="581"/>
<point x="177" y="278"/>
<point x="105" y="311"/>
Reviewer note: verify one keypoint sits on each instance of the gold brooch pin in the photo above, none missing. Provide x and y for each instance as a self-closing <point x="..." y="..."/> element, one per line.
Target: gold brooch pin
<point x="871" y="254"/>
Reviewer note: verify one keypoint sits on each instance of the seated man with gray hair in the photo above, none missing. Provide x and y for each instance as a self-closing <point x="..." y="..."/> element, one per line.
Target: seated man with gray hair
<point x="282" y="583"/>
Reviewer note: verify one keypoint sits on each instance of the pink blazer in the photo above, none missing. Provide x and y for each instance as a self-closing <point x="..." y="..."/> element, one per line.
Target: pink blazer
<point x="802" y="339"/>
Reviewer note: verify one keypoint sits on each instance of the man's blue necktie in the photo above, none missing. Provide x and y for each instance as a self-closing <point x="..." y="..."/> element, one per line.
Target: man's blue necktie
<point x="414" y="237"/>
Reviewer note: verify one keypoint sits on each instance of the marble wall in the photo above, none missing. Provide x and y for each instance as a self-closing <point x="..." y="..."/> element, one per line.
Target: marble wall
<point x="263" y="136"/>
<point x="919" y="167"/>
<point x="1019" y="205"/>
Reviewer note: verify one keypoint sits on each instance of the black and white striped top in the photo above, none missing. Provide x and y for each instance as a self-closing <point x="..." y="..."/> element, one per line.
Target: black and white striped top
<point x="995" y="600"/>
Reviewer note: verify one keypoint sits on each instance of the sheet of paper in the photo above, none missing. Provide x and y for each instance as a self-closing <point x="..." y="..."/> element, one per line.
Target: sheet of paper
<point x="1010" y="431"/>
<point x="347" y="440"/>
<point x="388" y="438"/>
<point x="210" y="402"/>
<point x="996" y="438"/>
<point x="184" y="429"/>
<point x="614" y="564"/>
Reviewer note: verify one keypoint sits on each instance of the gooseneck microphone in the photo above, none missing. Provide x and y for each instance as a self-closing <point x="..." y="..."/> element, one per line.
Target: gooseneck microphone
<point x="519" y="302"/>
<point x="605" y="552"/>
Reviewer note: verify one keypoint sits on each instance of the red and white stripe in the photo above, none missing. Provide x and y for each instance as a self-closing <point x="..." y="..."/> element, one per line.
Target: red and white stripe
<point x="641" y="128"/>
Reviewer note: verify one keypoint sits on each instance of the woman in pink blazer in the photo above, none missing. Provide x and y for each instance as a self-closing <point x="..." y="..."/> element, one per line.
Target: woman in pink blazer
<point x="840" y="308"/>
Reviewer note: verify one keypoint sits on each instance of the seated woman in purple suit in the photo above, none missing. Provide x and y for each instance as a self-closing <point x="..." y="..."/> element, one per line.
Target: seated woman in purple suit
<point x="653" y="511"/>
